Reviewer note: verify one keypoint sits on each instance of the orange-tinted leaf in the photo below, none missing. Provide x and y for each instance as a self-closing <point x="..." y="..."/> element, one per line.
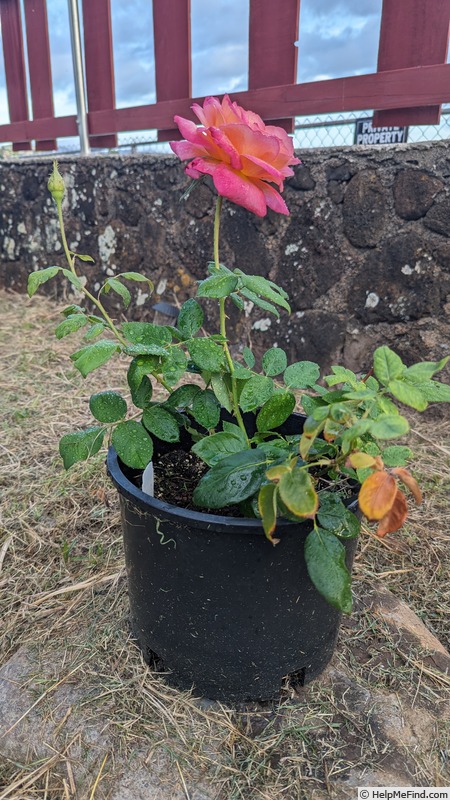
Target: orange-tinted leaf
<point x="275" y="473"/>
<point x="395" y="517"/>
<point x="410" y="482"/>
<point x="267" y="505"/>
<point x="360" y="460"/>
<point x="377" y="495"/>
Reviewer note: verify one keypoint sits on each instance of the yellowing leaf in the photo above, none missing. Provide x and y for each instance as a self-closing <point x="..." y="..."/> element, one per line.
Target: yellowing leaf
<point x="395" y="517"/>
<point x="377" y="494"/>
<point x="267" y="506"/>
<point x="275" y="473"/>
<point x="410" y="482"/>
<point x="298" y="494"/>
<point x="361" y="460"/>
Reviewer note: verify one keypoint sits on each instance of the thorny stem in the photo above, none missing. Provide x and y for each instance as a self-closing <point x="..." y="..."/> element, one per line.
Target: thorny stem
<point x="86" y="292"/>
<point x="223" y="327"/>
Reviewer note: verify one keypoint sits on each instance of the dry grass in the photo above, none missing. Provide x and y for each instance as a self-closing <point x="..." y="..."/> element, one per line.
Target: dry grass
<point x="63" y="601"/>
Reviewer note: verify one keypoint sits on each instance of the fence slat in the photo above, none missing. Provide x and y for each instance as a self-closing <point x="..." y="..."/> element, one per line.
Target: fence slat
<point x="39" y="65"/>
<point x="99" y="63"/>
<point x="16" y="84"/>
<point x="172" y="38"/>
<point x="392" y="89"/>
<point x="413" y="33"/>
<point x="272" y="50"/>
<point x="39" y="129"/>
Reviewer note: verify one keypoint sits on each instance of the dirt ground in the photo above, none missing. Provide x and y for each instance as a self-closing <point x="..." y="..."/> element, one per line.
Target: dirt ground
<point x="82" y="716"/>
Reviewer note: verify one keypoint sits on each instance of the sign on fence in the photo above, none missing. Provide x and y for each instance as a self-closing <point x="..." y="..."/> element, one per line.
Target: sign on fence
<point x="365" y="134"/>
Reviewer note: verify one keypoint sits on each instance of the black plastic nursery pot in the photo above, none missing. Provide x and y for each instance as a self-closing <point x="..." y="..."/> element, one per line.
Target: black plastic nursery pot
<point x="225" y="611"/>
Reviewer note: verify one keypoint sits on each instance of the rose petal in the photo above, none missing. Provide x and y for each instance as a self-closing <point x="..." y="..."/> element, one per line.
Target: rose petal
<point x="223" y="142"/>
<point x="273" y="199"/>
<point x="185" y="150"/>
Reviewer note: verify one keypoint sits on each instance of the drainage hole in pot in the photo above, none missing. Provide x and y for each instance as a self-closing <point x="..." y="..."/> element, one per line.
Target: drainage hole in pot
<point x="294" y="680"/>
<point x="154" y="661"/>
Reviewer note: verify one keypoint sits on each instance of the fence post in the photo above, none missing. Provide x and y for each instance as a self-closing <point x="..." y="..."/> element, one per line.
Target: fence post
<point x="78" y="74"/>
<point x="16" y="84"/>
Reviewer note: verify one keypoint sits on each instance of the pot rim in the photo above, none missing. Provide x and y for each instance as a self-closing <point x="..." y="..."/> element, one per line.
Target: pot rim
<point x="178" y="513"/>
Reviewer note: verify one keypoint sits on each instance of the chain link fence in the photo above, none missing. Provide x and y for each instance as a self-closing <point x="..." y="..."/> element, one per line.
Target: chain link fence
<point x="332" y="130"/>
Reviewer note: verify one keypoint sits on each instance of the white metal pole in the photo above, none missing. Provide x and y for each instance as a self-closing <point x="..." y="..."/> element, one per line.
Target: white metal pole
<point x="78" y="74"/>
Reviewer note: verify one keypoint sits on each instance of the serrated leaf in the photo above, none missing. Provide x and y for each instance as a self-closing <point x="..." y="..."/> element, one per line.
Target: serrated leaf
<point x="387" y="365"/>
<point x="248" y="357"/>
<point x="341" y="375"/>
<point x="146" y="333"/>
<point x="94" y="355"/>
<point x="73" y="309"/>
<point x="206" y="354"/>
<point x="71" y="324"/>
<point x="255" y="392"/>
<point x="136" y="276"/>
<point x="325" y="561"/>
<point x="36" y="279"/>
<point x="301" y="374"/>
<point x="298" y="494"/>
<point x="133" y="444"/>
<point x="221" y="390"/>
<point x="118" y="288"/>
<point x="206" y="409"/>
<point x="221" y="285"/>
<point x="213" y="449"/>
<point x="140" y="385"/>
<point x="108" y="406"/>
<point x="275" y="411"/>
<point x="232" y="480"/>
<point x="146" y="350"/>
<point x="183" y="396"/>
<point x="396" y="455"/>
<point x="435" y="391"/>
<point x="73" y="279"/>
<point x="190" y="318"/>
<point x="94" y="331"/>
<point x="174" y="365"/>
<point x="425" y="370"/>
<point x="408" y="394"/>
<point x="80" y="445"/>
<point x="261" y="287"/>
<point x="161" y="423"/>
<point x="238" y="301"/>
<point x="274" y="361"/>
<point x="257" y="301"/>
<point x="389" y="426"/>
<point x="83" y="257"/>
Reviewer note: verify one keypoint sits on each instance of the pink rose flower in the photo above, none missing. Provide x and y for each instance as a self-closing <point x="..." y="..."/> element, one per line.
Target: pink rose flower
<point x="243" y="155"/>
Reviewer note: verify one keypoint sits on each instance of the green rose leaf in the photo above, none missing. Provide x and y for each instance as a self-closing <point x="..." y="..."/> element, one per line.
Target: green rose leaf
<point x="161" y="423"/>
<point x="108" y="406"/>
<point x="206" y="354"/>
<point x="146" y="333"/>
<point x="262" y="287"/>
<point x="396" y="455"/>
<point x="325" y="561"/>
<point x="213" y="449"/>
<point x="183" y="396"/>
<point x="146" y="350"/>
<point x="136" y="276"/>
<point x="220" y="285"/>
<point x="408" y="394"/>
<point x="435" y="391"/>
<point x="80" y="445"/>
<point x="71" y="324"/>
<point x="140" y="385"/>
<point x="94" y="355"/>
<point x="255" y="392"/>
<point x="425" y="370"/>
<point x="206" y="409"/>
<point x="248" y="357"/>
<point x="275" y="411"/>
<point x="221" y="389"/>
<point x="274" y="361"/>
<point x="257" y="301"/>
<point x="334" y="516"/>
<point x="387" y="365"/>
<point x="301" y="374"/>
<point x="83" y="257"/>
<point x="118" y="288"/>
<point x="267" y="507"/>
<point x="73" y="279"/>
<point x="133" y="444"/>
<point x="174" y="365"/>
<point x="36" y="279"/>
<point x="190" y="318"/>
<point x="297" y="493"/>
<point x="389" y="426"/>
<point x="94" y="331"/>
<point x="231" y="480"/>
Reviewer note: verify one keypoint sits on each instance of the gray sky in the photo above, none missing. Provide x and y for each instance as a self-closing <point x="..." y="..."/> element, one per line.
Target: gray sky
<point x="337" y="37"/>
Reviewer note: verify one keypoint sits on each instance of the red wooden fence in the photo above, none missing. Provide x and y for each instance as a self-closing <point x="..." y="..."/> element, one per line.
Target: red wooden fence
<point x="411" y="82"/>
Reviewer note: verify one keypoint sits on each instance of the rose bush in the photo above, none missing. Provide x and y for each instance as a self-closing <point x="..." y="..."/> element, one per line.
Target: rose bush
<point x="350" y="420"/>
